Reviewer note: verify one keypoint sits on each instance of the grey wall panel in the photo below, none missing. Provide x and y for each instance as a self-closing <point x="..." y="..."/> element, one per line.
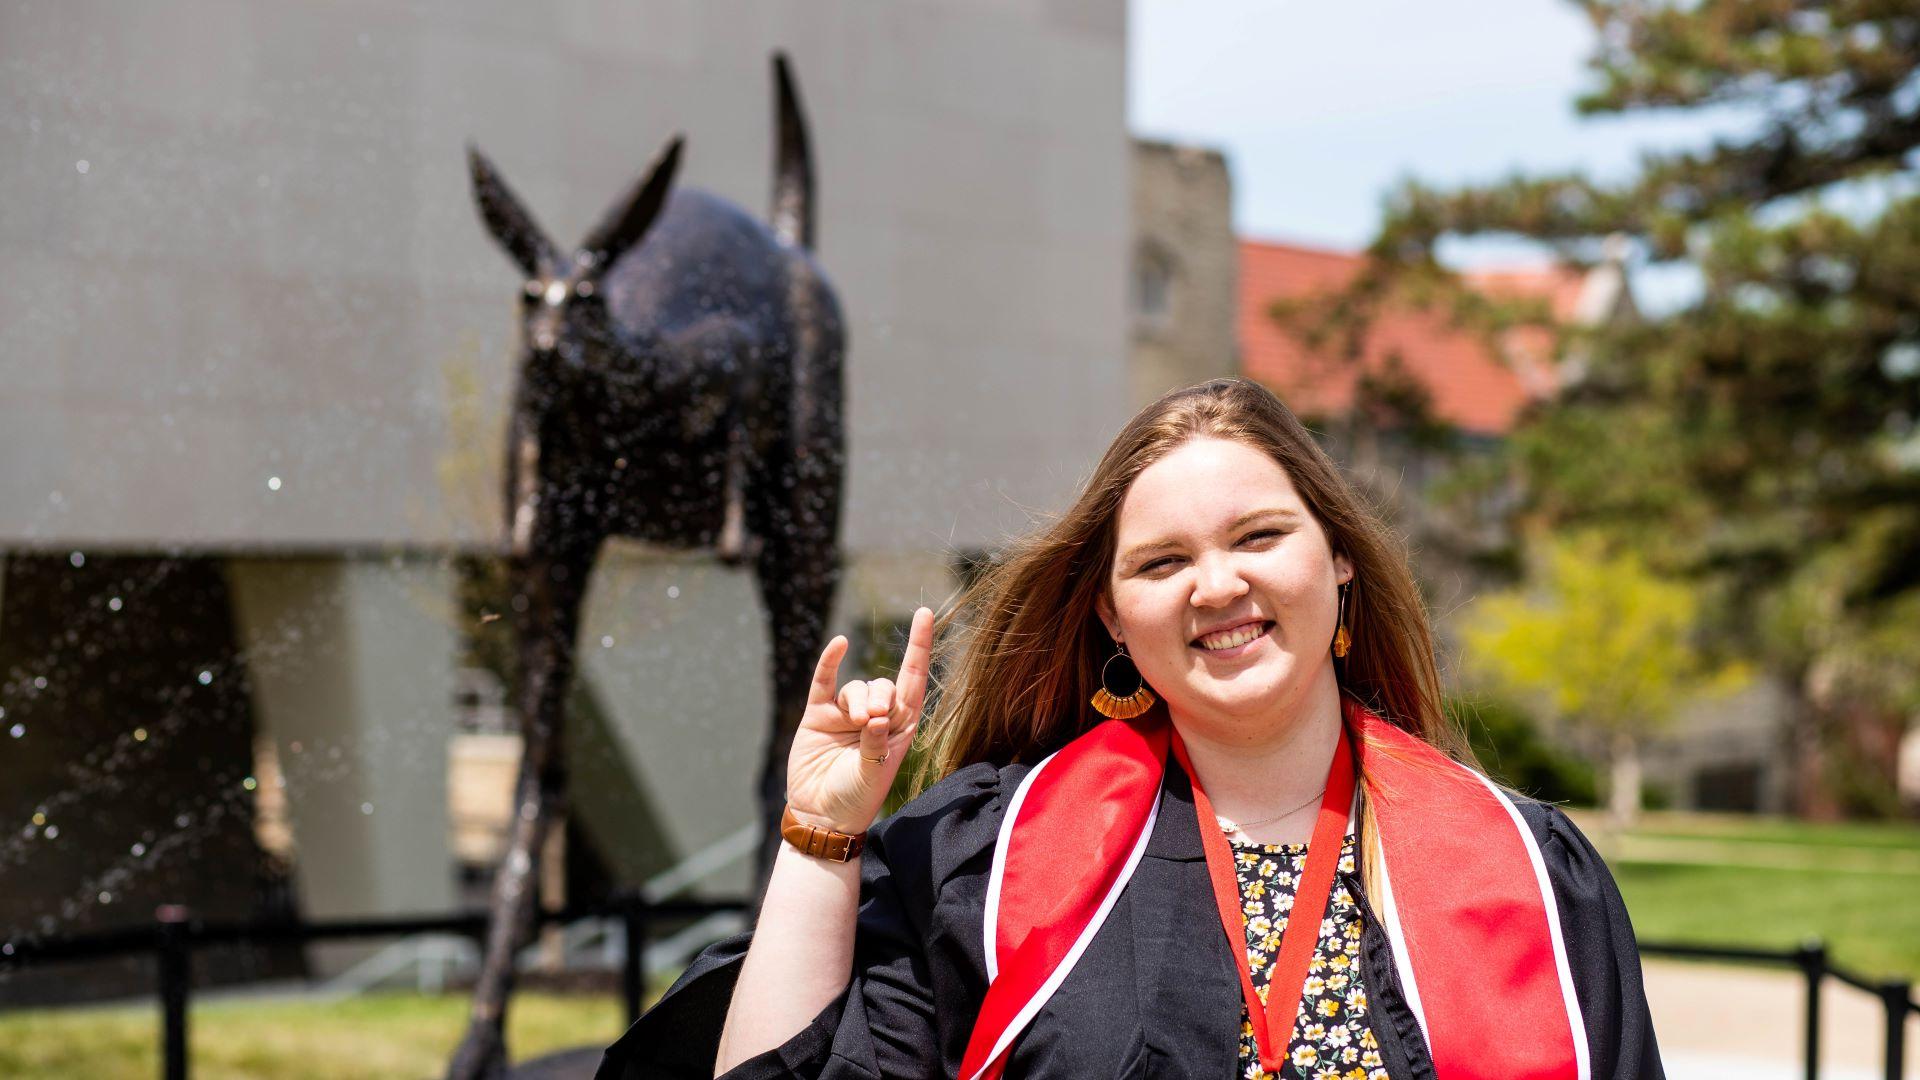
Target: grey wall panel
<point x="270" y="265"/>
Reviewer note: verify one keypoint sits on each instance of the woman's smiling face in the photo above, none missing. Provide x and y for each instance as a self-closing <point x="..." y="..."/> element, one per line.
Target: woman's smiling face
<point x="1214" y="538"/>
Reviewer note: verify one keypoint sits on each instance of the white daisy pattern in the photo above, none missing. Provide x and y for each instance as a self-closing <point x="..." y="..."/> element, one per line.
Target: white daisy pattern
<point x="1331" y="1037"/>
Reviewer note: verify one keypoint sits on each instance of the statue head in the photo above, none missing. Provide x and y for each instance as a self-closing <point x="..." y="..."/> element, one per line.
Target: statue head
<point x="563" y="304"/>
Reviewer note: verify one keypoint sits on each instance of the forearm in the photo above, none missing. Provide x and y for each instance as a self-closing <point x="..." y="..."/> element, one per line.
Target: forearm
<point x="801" y="957"/>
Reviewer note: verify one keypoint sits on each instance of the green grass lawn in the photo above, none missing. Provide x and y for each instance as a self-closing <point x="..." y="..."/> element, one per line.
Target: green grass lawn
<point x="376" y="1036"/>
<point x="1696" y="879"/>
<point x="1871" y="924"/>
<point x="1728" y="880"/>
<point x="1744" y="829"/>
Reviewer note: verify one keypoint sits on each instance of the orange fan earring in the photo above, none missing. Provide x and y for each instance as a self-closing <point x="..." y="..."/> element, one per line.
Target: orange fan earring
<point x="1342" y="641"/>
<point x="1108" y="703"/>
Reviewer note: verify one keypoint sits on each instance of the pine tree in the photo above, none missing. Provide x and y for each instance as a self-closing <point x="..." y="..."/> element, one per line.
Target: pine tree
<point x="1761" y="438"/>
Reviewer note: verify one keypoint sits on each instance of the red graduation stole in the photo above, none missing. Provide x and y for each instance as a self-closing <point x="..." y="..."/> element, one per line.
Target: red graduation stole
<point x="1465" y="898"/>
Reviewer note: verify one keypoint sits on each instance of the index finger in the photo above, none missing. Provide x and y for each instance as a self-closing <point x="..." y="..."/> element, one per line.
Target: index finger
<point x="912" y="684"/>
<point x="827" y="671"/>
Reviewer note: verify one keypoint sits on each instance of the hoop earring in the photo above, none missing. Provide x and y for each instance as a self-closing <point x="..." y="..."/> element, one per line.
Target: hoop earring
<point x="1342" y="641"/>
<point x="1108" y="703"/>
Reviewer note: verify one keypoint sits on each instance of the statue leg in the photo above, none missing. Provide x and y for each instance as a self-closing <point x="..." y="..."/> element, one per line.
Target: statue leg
<point x="732" y="545"/>
<point x="548" y="587"/>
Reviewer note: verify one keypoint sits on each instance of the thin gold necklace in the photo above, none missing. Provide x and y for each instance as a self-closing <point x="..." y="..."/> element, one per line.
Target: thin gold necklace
<point x="1228" y="826"/>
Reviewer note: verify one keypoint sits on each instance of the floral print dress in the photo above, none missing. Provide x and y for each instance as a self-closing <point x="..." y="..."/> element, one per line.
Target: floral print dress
<point x="1332" y="1039"/>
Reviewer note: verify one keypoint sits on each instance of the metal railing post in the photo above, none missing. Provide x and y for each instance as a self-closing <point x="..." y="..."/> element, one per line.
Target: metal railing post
<point x="1898" y="998"/>
<point x="1813" y="962"/>
<point x="175" y="955"/>
<point x="633" y="973"/>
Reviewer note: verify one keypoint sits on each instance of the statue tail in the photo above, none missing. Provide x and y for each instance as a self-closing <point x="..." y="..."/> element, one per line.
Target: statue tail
<point x="792" y="218"/>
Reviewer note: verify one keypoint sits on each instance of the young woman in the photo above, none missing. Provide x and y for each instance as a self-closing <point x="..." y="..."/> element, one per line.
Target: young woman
<point x="1195" y="812"/>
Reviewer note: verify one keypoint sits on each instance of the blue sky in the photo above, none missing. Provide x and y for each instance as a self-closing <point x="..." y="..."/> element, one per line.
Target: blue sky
<point x="1321" y="107"/>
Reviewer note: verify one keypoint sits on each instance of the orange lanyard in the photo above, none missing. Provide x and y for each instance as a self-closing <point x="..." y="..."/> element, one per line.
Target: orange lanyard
<point x="1273" y="1025"/>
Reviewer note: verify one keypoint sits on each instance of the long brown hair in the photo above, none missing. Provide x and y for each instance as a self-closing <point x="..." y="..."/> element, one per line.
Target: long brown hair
<point x="1020" y="650"/>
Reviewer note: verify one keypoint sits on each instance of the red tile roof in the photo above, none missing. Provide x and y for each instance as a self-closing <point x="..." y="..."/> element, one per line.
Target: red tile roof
<point x="1470" y="386"/>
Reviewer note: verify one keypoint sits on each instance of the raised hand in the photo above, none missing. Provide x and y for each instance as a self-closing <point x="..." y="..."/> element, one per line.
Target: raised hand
<point x="850" y="745"/>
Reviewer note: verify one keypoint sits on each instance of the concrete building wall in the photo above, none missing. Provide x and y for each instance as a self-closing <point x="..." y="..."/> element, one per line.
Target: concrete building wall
<point x="1727" y="753"/>
<point x="350" y="662"/>
<point x="252" y="312"/>
<point x="691" y="731"/>
<point x="252" y="304"/>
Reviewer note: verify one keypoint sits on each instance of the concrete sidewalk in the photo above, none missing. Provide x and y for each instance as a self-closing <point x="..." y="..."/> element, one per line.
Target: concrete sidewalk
<point x="1718" y="1022"/>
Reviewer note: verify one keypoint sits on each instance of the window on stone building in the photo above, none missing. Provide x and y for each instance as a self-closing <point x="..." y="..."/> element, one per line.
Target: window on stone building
<point x="1153" y="273"/>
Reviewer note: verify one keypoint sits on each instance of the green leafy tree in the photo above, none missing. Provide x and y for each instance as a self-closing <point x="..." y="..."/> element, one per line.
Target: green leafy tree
<point x="1760" y="439"/>
<point x="1604" y="644"/>
<point x="1509" y="744"/>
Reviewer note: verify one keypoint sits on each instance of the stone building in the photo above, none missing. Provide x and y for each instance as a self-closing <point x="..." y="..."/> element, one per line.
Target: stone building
<point x="1184" y="269"/>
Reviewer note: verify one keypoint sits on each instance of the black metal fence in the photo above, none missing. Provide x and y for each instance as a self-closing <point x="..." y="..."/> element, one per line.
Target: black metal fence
<point x="175" y="935"/>
<point x="1896" y="995"/>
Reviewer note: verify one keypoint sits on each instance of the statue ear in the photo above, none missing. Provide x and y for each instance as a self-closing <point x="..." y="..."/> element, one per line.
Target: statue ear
<point x="507" y="218"/>
<point x="621" y="229"/>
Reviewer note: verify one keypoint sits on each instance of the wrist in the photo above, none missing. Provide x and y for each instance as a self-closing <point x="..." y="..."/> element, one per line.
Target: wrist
<point x="822" y="841"/>
<point x="813" y="866"/>
<point x="826" y="821"/>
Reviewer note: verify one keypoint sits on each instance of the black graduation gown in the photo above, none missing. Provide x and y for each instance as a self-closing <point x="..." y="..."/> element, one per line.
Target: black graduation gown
<point x="1156" y="994"/>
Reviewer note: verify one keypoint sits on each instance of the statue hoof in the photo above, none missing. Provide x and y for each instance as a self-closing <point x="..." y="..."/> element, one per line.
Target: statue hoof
<point x="736" y="551"/>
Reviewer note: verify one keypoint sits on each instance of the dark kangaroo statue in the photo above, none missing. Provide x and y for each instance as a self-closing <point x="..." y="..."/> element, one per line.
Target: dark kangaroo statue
<point x="680" y="383"/>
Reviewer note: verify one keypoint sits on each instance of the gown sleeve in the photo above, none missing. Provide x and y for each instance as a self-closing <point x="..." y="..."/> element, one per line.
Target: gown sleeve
<point x="883" y="1023"/>
<point x="1601" y="951"/>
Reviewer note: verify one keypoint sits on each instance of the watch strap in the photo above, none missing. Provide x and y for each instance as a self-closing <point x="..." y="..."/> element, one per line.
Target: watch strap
<point x="820" y="841"/>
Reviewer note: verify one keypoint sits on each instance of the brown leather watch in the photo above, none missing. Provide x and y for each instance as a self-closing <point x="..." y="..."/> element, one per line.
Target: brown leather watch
<point x="820" y="841"/>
